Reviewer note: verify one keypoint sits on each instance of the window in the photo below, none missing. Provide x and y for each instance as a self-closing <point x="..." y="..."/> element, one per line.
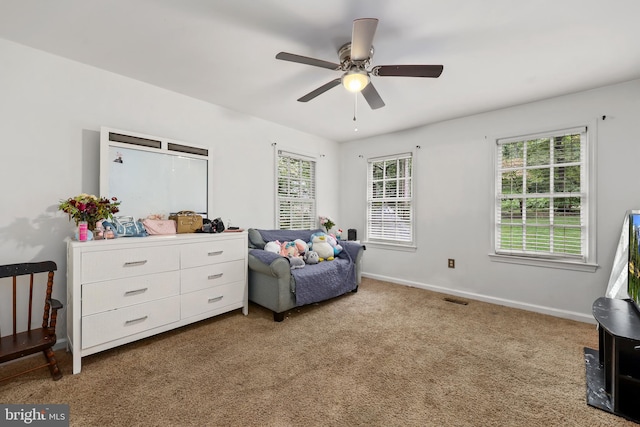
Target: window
<point x="296" y="192"/>
<point x="542" y="196"/>
<point x="390" y="200"/>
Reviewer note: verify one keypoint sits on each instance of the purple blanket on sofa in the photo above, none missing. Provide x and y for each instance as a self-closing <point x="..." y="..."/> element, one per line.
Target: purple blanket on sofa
<point x="324" y="280"/>
<point x="316" y="282"/>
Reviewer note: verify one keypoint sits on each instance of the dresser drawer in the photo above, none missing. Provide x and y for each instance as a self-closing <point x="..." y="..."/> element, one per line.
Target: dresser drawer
<point x="212" y="252"/>
<point x="110" y="325"/>
<point x="109" y="295"/>
<point x="196" y="278"/>
<point x="205" y="300"/>
<point x="116" y="264"/>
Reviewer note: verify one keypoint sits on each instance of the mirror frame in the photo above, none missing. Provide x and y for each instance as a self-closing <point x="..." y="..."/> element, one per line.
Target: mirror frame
<point x="110" y="137"/>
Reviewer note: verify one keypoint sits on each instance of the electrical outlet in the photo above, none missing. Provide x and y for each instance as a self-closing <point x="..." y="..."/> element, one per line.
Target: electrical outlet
<point x="452" y="263"/>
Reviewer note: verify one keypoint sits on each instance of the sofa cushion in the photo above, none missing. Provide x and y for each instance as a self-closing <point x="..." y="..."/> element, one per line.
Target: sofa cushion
<point x="286" y="235"/>
<point x="255" y="239"/>
<point x="325" y="280"/>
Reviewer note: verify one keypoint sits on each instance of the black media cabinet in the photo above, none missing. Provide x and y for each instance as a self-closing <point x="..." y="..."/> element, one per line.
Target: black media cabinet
<point x="613" y="372"/>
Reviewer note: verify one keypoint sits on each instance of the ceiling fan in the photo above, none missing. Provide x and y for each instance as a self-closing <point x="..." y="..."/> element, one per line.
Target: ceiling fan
<point x="355" y="58"/>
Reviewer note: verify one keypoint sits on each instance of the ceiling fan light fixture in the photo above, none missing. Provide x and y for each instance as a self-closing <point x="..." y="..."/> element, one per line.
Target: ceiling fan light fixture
<point x="354" y="61"/>
<point x="355" y="80"/>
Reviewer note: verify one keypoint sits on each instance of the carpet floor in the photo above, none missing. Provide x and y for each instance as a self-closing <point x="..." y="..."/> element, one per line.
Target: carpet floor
<point x="388" y="355"/>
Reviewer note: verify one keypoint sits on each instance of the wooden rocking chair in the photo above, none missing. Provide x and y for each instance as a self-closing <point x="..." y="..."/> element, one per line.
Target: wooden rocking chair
<point x="21" y="344"/>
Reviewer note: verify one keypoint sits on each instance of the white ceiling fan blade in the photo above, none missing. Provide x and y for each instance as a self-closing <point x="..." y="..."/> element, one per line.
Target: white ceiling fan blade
<point x="362" y="38"/>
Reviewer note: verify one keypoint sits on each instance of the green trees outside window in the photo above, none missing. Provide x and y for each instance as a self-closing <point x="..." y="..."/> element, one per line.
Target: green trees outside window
<point x="541" y="196"/>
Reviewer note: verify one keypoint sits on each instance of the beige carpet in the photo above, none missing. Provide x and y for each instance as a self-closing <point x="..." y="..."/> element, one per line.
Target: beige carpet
<point x="387" y="355"/>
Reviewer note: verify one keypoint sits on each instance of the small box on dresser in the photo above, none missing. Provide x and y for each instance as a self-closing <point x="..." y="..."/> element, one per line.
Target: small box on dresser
<point x="126" y="289"/>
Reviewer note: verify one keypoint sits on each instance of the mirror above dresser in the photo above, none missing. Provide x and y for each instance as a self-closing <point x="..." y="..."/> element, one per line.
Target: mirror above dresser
<point x="154" y="175"/>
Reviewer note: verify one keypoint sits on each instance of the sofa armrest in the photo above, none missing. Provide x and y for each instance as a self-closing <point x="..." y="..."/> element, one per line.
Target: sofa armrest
<point x="268" y="263"/>
<point x="353" y="249"/>
<point x="354" y="252"/>
<point x="270" y="282"/>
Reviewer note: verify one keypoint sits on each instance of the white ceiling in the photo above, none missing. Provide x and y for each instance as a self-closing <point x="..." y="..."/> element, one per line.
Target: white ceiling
<point x="496" y="53"/>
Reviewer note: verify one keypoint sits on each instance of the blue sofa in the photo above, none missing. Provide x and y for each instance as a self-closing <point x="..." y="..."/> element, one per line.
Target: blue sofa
<point x="274" y="285"/>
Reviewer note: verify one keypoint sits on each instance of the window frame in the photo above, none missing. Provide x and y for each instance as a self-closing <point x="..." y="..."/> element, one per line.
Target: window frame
<point x="380" y="240"/>
<point x="587" y="262"/>
<point x="302" y="224"/>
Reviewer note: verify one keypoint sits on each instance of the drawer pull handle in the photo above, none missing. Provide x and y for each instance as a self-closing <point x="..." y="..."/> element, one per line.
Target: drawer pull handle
<point x="135" y="292"/>
<point x="636" y="347"/>
<point x="215" y="299"/>
<point x="139" y="319"/>
<point x="215" y="253"/>
<point x="215" y="276"/>
<point x="135" y="263"/>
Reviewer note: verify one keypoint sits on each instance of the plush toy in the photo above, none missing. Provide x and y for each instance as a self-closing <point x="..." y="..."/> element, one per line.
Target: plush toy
<point x="296" y="262"/>
<point x="313" y="236"/>
<point x="320" y="245"/>
<point x="334" y="244"/>
<point x="273" y="247"/>
<point x="288" y="249"/>
<point x="296" y="248"/>
<point x="302" y="246"/>
<point x="311" y="257"/>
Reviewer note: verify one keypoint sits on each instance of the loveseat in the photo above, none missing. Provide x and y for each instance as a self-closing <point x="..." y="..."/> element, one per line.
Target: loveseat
<point x="273" y="284"/>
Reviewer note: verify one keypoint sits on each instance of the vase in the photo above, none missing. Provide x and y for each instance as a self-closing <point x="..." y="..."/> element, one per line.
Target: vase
<point x="83" y="231"/>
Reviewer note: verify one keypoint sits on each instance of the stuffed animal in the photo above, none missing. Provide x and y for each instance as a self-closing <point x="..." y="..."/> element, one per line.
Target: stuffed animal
<point x="311" y="257"/>
<point x="313" y="236"/>
<point x="288" y="249"/>
<point x="334" y="244"/>
<point x="320" y="245"/>
<point x="273" y="247"/>
<point x="302" y="246"/>
<point x="296" y="248"/>
<point x="296" y="262"/>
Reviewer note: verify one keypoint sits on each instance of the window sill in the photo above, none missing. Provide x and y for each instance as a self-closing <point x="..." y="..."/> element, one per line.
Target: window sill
<point x="541" y="262"/>
<point x="391" y="246"/>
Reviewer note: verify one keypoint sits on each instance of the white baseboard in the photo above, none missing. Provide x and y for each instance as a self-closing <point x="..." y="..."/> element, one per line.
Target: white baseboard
<point x="61" y="344"/>
<point x="565" y="314"/>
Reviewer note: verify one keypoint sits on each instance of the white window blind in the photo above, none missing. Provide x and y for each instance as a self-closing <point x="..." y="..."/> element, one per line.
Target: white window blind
<point x="296" y="192"/>
<point x="390" y="200"/>
<point x="542" y="195"/>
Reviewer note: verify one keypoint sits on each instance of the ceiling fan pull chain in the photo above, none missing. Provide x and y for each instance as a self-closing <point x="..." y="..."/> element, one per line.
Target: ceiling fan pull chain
<point x="355" y="106"/>
<point x="355" y="110"/>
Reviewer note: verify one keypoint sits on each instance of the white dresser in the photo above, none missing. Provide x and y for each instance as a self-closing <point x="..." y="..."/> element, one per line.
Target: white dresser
<point x="129" y="288"/>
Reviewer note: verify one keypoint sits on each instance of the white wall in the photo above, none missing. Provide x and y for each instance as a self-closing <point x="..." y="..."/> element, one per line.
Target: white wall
<point x="51" y="110"/>
<point x="453" y="183"/>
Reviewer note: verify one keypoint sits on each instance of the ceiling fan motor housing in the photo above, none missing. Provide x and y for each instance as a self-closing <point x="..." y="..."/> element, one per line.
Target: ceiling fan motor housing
<point x="344" y="53"/>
